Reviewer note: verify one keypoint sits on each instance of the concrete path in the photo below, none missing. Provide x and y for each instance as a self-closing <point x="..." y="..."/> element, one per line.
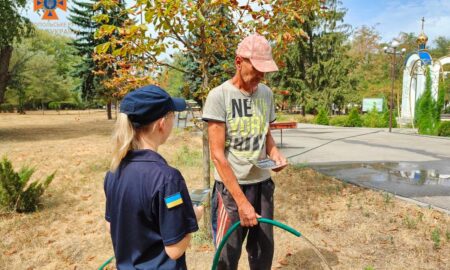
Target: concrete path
<point x="411" y="166"/>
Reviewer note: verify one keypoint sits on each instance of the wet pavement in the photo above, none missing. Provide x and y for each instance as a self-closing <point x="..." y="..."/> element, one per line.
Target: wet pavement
<point x="408" y="180"/>
<point x="410" y="166"/>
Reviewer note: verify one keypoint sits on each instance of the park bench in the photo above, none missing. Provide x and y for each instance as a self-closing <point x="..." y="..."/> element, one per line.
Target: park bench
<point x="282" y="125"/>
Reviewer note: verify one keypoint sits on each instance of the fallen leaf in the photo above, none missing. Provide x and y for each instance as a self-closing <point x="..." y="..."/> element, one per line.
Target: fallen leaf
<point x="10" y="252"/>
<point x="283" y="262"/>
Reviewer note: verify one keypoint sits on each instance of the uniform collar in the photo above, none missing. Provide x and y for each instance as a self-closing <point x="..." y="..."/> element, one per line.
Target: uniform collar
<point x="144" y="155"/>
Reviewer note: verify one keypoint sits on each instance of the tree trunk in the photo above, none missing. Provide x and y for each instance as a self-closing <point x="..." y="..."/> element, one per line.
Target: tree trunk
<point x="21" y="95"/>
<point x="206" y="178"/>
<point x="116" y="109"/>
<point x="206" y="157"/>
<point x="108" y="109"/>
<point x="5" y="57"/>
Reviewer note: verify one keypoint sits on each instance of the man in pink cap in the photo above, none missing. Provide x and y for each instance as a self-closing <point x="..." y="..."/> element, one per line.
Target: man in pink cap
<point x="238" y="113"/>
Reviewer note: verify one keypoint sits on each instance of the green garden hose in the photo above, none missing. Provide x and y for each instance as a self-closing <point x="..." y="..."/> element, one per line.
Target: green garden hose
<point x="106" y="263"/>
<point x="236" y="225"/>
<point x="227" y="235"/>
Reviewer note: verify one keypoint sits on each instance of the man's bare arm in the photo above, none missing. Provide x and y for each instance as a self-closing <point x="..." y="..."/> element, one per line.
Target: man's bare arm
<point x="216" y="133"/>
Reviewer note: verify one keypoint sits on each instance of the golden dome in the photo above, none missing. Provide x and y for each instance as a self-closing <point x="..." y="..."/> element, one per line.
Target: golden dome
<point x="422" y="39"/>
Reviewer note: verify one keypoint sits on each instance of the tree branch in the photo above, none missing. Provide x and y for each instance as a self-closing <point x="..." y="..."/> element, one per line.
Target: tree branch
<point x="173" y="67"/>
<point x="20" y="63"/>
<point x="178" y="37"/>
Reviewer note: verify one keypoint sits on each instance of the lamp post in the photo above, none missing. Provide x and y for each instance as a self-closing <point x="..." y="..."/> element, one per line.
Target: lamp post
<point x="392" y="50"/>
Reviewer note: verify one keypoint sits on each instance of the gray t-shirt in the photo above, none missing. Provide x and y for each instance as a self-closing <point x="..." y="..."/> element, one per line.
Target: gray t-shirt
<point x="247" y="119"/>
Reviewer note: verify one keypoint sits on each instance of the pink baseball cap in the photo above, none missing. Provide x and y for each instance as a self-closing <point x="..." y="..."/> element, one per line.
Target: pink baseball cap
<point x="256" y="48"/>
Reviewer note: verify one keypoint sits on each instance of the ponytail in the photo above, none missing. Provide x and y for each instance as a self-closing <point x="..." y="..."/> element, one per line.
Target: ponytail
<point x="123" y="140"/>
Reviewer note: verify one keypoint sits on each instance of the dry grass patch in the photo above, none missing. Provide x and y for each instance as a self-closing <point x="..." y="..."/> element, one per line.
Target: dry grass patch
<point x="354" y="228"/>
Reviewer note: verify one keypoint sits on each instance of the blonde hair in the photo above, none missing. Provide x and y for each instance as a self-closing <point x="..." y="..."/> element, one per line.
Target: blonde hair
<point x="126" y="137"/>
<point x="123" y="140"/>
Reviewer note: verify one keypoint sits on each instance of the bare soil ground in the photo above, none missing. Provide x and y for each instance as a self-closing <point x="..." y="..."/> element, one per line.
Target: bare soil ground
<point x="353" y="228"/>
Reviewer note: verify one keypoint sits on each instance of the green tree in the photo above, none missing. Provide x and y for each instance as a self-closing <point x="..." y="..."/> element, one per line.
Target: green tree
<point x="82" y="14"/>
<point x="373" y="118"/>
<point x="441" y="47"/>
<point x="371" y="70"/>
<point x="408" y="41"/>
<point x="15" y="91"/>
<point x="440" y="102"/>
<point x="354" y="119"/>
<point x="220" y="67"/>
<point x="40" y="69"/>
<point x="172" y="80"/>
<point x="425" y="111"/>
<point x="317" y="69"/>
<point x="365" y="44"/>
<point x="322" y="117"/>
<point x="13" y="28"/>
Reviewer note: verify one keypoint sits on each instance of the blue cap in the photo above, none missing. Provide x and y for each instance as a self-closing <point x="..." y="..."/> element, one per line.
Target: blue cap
<point x="149" y="103"/>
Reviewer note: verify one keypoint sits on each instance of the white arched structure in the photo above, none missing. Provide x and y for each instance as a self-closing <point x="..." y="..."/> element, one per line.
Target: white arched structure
<point x="414" y="78"/>
<point x="439" y="67"/>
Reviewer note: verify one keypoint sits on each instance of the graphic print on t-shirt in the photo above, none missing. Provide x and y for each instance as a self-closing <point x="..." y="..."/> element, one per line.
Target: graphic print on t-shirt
<point x="247" y="120"/>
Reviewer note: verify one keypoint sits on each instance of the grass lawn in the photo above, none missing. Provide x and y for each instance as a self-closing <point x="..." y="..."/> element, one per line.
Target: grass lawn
<point x="353" y="228"/>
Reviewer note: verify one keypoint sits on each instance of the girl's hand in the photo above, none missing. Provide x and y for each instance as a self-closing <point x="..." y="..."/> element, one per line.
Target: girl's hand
<point x="198" y="211"/>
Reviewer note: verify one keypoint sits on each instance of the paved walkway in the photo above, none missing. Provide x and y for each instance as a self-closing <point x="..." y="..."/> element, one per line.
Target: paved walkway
<point x="411" y="166"/>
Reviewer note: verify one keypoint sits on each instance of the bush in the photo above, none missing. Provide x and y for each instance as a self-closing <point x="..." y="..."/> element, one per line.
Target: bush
<point x="322" y="117"/>
<point x="354" y="119"/>
<point x="6" y="108"/>
<point x="81" y="106"/>
<point x="436" y="237"/>
<point x="385" y="120"/>
<point x="444" y="129"/>
<point x="440" y="102"/>
<point x="15" y="192"/>
<point x="425" y="111"/>
<point x="68" y="105"/>
<point x="54" y="105"/>
<point x="282" y="117"/>
<point x="339" y="120"/>
<point x="95" y="104"/>
<point x="304" y="119"/>
<point x="373" y="119"/>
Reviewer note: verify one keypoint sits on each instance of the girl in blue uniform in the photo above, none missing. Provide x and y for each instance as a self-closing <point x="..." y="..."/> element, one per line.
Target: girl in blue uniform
<point x="148" y="207"/>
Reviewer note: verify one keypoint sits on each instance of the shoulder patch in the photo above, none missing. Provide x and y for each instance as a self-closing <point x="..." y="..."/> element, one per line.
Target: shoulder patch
<point x="173" y="200"/>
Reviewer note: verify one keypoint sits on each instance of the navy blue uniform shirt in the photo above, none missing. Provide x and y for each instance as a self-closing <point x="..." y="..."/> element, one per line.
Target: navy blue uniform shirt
<point x="148" y="206"/>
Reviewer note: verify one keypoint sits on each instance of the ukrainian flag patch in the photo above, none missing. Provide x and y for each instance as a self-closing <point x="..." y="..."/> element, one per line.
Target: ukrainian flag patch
<point x="173" y="200"/>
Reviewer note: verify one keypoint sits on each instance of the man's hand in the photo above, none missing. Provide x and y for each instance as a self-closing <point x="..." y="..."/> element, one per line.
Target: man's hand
<point x="247" y="214"/>
<point x="274" y="154"/>
<point x="279" y="160"/>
